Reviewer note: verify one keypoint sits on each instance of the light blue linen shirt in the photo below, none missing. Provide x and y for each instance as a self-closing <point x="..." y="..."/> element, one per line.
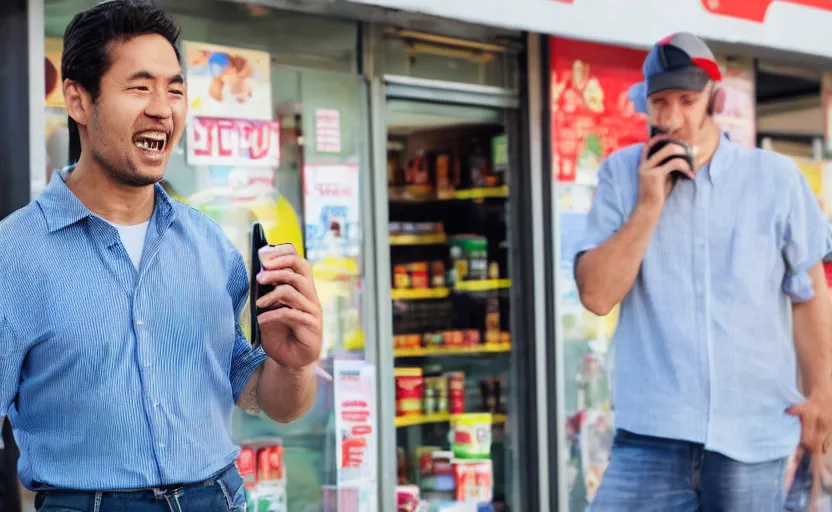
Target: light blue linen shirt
<point x="114" y="378"/>
<point x="704" y="348"/>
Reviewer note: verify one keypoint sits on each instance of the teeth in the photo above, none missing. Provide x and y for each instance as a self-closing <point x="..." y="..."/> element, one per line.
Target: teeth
<point x="152" y="141"/>
<point x="150" y="144"/>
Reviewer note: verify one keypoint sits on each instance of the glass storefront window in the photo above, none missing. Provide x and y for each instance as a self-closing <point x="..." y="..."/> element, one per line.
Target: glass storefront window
<point x="307" y="106"/>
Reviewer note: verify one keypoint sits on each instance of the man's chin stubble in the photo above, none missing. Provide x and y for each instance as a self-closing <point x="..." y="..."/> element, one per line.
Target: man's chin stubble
<point x="128" y="176"/>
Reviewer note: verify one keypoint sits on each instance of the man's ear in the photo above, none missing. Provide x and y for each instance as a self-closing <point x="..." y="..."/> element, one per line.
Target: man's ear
<point x="717" y="104"/>
<point x="78" y="101"/>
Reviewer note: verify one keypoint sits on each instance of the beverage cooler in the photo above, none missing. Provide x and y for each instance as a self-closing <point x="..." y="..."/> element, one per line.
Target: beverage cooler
<point x="451" y="186"/>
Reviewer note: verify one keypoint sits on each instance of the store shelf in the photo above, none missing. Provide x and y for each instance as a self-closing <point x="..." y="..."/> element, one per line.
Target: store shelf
<point x="411" y="195"/>
<point x="482" y="193"/>
<point x="451" y="351"/>
<point x="409" y="421"/>
<point x="483" y="285"/>
<point x="428" y="239"/>
<point x="420" y="294"/>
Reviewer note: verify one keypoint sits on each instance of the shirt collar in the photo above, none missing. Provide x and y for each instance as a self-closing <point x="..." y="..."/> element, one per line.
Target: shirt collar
<point x="61" y="208"/>
<point x="722" y="159"/>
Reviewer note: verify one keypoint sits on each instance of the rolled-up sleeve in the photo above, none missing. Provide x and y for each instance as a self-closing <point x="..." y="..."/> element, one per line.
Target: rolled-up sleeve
<point x="244" y="358"/>
<point x="606" y="215"/>
<point x="12" y="354"/>
<point x="806" y="239"/>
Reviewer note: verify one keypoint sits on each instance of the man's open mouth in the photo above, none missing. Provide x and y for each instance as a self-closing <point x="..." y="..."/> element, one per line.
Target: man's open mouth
<point x="151" y="141"/>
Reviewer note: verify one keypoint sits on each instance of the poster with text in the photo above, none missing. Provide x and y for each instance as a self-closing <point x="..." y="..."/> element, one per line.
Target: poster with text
<point x="53" y="51"/>
<point x="592" y="115"/>
<point x="327" y="130"/>
<point x="331" y="211"/>
<point x="738" y="117"/>
<point x="233" y="142"/>
<point x="228" y="83"/>
<point x="355" y="428"/>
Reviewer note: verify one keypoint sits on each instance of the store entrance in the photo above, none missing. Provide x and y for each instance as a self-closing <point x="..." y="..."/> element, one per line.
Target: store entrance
<point x="449" y="199"/>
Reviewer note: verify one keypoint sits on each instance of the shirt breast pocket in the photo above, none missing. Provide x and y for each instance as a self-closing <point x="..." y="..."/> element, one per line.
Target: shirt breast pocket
<point x="746" y="264"/>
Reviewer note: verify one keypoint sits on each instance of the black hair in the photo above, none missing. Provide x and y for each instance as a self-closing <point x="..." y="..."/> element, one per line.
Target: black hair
<point x="86" y="56"/>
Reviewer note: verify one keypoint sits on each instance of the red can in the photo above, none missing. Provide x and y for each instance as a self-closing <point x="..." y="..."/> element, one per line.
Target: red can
<point x="456" y="393"/>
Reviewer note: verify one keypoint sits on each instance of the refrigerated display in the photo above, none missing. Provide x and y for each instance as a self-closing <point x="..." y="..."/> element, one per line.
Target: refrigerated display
<point x="448" y="204"/>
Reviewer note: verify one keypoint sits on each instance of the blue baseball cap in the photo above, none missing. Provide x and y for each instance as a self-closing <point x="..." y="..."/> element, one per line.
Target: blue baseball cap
<point x="679" y="61"/>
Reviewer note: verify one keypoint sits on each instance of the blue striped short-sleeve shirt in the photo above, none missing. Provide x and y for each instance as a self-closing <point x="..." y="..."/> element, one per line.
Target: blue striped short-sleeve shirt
<point x="114" y="378"/>
<point x="704" y="348"/>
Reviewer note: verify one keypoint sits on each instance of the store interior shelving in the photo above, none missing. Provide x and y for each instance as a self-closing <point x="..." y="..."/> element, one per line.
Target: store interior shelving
<point x="448" y="204"/>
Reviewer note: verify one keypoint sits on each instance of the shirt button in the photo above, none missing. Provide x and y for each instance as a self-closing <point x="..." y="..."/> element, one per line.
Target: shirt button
<point x="155" y="404"/>
<point x="139" y="323"/>
<point x="161" y="445"/>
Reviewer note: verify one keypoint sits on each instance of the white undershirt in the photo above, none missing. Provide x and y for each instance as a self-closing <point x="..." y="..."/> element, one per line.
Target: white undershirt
<point x="132" y="238"/>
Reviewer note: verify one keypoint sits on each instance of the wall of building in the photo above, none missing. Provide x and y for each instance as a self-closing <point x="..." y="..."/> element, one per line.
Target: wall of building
<point x="780" y="24"/>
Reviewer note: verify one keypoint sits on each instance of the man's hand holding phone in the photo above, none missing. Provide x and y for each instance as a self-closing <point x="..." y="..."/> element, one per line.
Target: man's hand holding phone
<point x="655" y="172"/>
<point x="292" y="334"/>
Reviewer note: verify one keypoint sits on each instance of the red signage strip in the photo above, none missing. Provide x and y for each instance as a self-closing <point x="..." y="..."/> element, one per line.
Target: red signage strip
<point x="755" y="10"/>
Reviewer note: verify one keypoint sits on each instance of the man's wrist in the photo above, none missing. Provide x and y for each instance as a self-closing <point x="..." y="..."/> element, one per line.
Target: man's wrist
<point x="293" y="374"/>
<point x="820" y="388"/>
<point x="648" y="209"/>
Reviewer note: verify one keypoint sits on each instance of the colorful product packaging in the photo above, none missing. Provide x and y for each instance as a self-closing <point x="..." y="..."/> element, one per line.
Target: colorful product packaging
<point x="407" y="498"/>
<point x="474" y="481"/>
<point x="410" y="386"/>
<point x="262" y="465"/>
<point x="471" y="436"/>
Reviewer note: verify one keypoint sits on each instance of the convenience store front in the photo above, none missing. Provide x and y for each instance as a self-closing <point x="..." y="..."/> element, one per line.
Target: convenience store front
<point x="776" y="68"/>
<point x="395" y="159"/>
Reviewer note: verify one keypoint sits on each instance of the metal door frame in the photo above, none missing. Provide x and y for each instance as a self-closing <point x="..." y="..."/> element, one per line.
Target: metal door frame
<point x="530" y="461"/>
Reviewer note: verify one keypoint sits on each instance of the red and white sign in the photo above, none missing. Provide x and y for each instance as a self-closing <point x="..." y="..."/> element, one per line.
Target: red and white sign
<point x="233" y="142"/>
<point x="756" y="10"/>
<point x="355" y="423"/>
<point x="792" y="25"/>
<point x="327" y="130"/>
<point x="592" y="114"/>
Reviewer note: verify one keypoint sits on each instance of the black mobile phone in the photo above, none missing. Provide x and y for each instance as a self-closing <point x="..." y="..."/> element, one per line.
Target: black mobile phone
<point x="256" y="290"/>
<point x="688" y="156"/>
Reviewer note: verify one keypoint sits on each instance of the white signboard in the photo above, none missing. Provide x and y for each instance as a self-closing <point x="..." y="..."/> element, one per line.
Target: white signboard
<point x="781" y="24"/>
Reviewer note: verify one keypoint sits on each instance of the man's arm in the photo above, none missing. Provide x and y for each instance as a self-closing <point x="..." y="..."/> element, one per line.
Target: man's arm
<point x="615" y="246"/>
<point x="283" y="394"/>
<point x="805" y="243"/>
<point x="812" y="321"/>
<point x="606" y="274"/>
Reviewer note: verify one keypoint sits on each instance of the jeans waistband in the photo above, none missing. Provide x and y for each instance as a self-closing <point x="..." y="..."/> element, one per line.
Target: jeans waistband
<point x="161" y="490"/>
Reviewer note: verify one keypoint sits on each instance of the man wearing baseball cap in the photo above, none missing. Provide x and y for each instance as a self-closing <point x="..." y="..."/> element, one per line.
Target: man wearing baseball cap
<point x="714" y="252"/>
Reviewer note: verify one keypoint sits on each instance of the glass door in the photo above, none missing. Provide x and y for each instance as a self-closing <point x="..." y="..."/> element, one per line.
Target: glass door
<point x="591" y="116"/>
<point x="448" y="204"/>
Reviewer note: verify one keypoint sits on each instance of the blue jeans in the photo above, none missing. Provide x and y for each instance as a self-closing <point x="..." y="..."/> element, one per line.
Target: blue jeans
<point x="648" y="474"/>
<point x="222" y="493"/>
<point x="801" y="490"/>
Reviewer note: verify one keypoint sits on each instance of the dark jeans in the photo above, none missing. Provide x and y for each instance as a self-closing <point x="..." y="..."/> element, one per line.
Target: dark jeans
<point x="648" y="474"/>
<point x="222" y="493"/>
